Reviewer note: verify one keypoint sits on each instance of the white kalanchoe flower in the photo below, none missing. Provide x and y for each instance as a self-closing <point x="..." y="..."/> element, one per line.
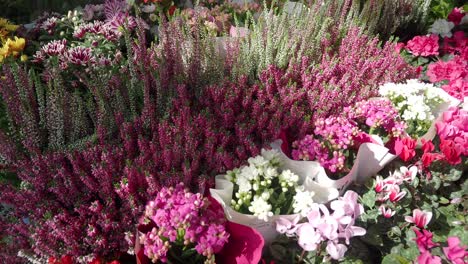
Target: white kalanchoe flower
<point x="271" y="155"/>
<point x="442" y="27"/>
<point x="288" y="179"/>
<point x="261" y="208"/>
<point x="303" y="201"/>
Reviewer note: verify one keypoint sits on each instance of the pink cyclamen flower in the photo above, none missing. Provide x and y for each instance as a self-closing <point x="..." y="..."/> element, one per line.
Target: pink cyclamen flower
<point x="347" y="205"/>
<point x="387" y="213"/>
<point x="424" y="240"/>
<point x="408" y="174"/>
<point x="424" y="45"/>
<point x="427" y="258"/>
<point x="286" y="226"/>
<point x="380" y="184"/>
<point x="335" y="250"/>
<point x="309" y="238"/>
<point x="419" y="218"/>
<point x="454" y="252"/>
<point x="395" y="194"/>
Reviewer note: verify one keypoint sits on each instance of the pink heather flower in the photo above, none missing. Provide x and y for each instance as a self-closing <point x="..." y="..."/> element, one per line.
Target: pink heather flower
<point x="456" y="15"/>
<point x="395" y="194"/>
<point x="285" y="226"/>
<point x="427" y="258"/>
<point x="238" y="32"/>
<point x="455" y="253"/>
<point x="419" y="218"/>
<point x="79" y="56"/>
<point x="424" y="45"/>
<point x="387" y="213"/>
<point x="424" y="240"/>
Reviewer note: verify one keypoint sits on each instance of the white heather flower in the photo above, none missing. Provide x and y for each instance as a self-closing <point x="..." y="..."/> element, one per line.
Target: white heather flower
<point x="261" y="208"/>
<point x="442" y="27"/>
<point x="303" y="201"/>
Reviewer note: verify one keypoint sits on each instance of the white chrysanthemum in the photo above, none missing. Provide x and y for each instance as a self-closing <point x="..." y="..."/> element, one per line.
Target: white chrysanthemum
<point x="303" y="201"/>
<point x="442" y="27"/>
<point x="261" y="208"/>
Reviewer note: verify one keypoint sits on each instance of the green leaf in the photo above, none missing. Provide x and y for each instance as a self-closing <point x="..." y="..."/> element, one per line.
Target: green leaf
<point x="394" y="259"/>
<point x="368" y="199"/>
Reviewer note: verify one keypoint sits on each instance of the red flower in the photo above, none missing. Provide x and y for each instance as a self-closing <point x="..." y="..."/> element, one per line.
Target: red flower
<point x="428" y="158"/>
<point x="427" y="146"/>
<point x="172" y="10"/>
<point x="424" y="45"/>
<point x="244" y="247"/>
<point x="456" y="15"/>
<point x="403" y="147"/>
<point x="451" y="151"/>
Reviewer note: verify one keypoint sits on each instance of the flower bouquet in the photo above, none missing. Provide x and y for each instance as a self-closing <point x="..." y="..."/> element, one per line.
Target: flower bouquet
<point x="419" y="104"/>
<point x="350" y="148"/>
<point x="269" y="187"/>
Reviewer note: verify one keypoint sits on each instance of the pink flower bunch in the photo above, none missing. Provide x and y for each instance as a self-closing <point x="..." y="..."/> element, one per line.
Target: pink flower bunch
<point x="336" y="138"/>
<point x="455" y="72"/>
<point x="453" y="133"/>
<point x="388" y="189"/>
<point x="454" y="252"/>
<point x="98" y="28"/>
<point x="79" y="56"/>
<point x="179" y="217"/>
<point x="424" y="46"/>
<point x="325" y="227"/>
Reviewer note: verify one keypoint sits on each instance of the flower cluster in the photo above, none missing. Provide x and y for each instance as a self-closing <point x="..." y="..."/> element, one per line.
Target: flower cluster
<point x="424" y="46"/>
<point x="12" y="47"/>
<point x="388" y="190"/>
<point x="264" y="189"/>
<point x="417" y="103"/>
<point x="337" y="138"/>
<point x="325" y="227"/>
<point x="179" y="218"/>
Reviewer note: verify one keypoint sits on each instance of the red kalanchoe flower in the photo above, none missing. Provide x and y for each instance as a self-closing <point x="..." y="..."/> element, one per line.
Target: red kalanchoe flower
<point x="455" y="253"/>
<point x="424" y="46"/>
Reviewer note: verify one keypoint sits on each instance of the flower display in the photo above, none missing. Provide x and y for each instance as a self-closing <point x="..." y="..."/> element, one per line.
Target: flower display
<point x="417" y="103"/>
<point x="336" y="139"/>
<point x="263" y="189"/>
<point x="173" y="219"/>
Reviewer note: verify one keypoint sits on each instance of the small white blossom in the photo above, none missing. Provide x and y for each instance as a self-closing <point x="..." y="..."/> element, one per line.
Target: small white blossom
<point x="442" y="27"/>
<point x="303" y="201"/>
<point x="261" y="208"/>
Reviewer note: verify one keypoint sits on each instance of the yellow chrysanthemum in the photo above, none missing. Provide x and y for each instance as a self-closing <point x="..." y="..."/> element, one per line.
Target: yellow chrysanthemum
<point x="5" y="24"/>
<point x="4" y="51"/>
<point x="16" y="45"/>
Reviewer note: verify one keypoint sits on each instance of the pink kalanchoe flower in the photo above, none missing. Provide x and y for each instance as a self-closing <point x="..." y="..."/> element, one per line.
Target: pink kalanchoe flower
<point x="427" y="258"/>
<point x="454" y="252"/>
<point x="424" y="45"/>
<point x="457" y="88"/>
<point x="424" y="240"/>
<point x="387" y="213"/>
<point x="456" y="15"/>
<point x="419" y="218"/>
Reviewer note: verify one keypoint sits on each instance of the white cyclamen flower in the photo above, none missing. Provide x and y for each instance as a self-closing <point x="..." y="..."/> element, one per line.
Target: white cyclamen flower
<point x="442" y="27"/>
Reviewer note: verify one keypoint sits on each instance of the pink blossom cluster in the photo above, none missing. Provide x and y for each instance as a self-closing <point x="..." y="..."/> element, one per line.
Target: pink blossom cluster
<point x="179" y="217"/>
<point x="453" y="134"/>
<point x="98" y="28"/>
<point x="336" y="138"/>
<point x="388" y="190"/>
<point x="424" y="46"/>
<point x="454" y="252"/>
<point x="324" y="227"/>
<point x="454" y="72"/>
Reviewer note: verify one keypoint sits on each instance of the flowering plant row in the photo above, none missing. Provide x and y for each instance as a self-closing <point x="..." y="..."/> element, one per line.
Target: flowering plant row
<point x="163" y="132"/>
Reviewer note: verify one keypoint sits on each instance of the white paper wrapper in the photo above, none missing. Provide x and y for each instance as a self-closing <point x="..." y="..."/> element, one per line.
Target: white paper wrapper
<point x="305" y="170"/>
<point x="370" y="159"/>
